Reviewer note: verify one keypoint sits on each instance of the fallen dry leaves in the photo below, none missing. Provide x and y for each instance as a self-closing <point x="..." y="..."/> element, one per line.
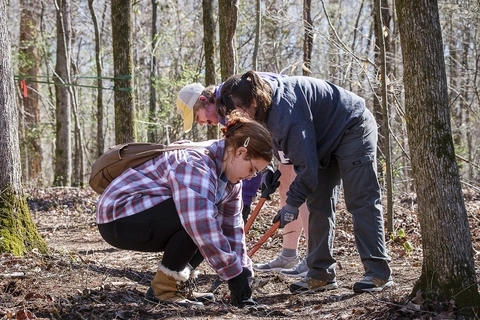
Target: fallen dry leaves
<point x="85" y="278"/>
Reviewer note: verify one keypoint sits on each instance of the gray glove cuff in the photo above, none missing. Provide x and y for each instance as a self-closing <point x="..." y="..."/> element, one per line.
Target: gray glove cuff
<point x="290" y="208"/>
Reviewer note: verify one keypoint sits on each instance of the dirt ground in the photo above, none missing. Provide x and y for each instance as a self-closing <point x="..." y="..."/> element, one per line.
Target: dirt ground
<point x="85" y="278"/>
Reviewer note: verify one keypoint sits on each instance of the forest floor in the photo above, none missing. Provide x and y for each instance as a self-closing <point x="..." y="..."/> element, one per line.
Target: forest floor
<point x="85" y="278"/>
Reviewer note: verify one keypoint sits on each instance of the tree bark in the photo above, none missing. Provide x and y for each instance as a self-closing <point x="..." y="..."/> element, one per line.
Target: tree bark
<point x="381" y="17"/>
<point x="308" y="38"/>
<point x="209" y="41"/>
<point x="98" y="65"/>
<point x="209" y="45"/>
<point x="31" y="153"/>
<point x="381" y="13"/>
<point x="227" y="20"/>
<point x="123" y="71"/>
<point x="78" y="159"/>
<point x="63" y="150"/>
<point x="333" y="50"/>
<point x="152" y="110"/>
<point x="258" y="33"/>
<point x="448" y="270"/>
<point x="18" y="233"/>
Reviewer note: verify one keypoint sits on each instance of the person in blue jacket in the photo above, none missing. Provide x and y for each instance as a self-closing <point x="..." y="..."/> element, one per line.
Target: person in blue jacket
<point x="330" y="137"/>
<point x="196" y="103"/>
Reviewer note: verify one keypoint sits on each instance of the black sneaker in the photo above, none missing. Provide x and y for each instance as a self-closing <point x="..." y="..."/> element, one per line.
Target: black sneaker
<point x="310" y="285"/>
<point x="371" y="284"/>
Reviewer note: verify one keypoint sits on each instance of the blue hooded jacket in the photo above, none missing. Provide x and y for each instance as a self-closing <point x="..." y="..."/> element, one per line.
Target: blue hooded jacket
<point x="307" y="119"/>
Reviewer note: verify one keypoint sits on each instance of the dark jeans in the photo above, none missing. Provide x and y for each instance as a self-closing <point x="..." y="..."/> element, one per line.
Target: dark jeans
<point x="154" y="230"/>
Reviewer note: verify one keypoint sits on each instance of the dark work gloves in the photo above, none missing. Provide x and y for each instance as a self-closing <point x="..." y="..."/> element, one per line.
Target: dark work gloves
<point x="246" y="212"/>
<point x="240" y="290"/>
<point x="270" y="182"/>
<point x="286" y="215"/>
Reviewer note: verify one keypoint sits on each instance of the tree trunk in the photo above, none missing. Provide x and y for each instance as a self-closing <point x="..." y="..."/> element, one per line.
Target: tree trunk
<point x="78" y="160"/>
<point x="31" y="153"/>
<point x="123" y="71"/>
<point x="209" y="45"/>
<point x="258" y="33"/>
<point x="448" y="270"/>
<point x="353" y="47"/>
<point x="333" y="51"/>
<point x="152" y="110"/>
<point x="227" y="20"/>
<point x="99" y="69"/>
<point x="382" y="15"/>
<point x="18" y="233"/>
<point x="380" y="7"/>
<point x="308" y="39"/>
<point x="63" y="150"/>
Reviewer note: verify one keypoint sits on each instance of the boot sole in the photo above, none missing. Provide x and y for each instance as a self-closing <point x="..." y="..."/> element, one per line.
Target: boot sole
<point x="295" y="275"/>
<point x="359" y="289"/>
<point x="154" y="300"/>
<point x="180" y="304"/>
<point x="329" y="286"/>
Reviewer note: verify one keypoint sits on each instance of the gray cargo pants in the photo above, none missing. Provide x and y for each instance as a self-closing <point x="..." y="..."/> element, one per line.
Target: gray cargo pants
<point x="354" y="163"/>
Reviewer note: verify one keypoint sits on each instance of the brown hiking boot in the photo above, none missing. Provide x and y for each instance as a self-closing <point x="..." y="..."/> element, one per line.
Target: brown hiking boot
<point x="165" y="288"/>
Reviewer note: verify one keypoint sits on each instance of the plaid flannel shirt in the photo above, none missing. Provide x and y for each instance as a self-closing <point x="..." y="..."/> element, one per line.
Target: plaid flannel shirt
<point x="209" y="210"/>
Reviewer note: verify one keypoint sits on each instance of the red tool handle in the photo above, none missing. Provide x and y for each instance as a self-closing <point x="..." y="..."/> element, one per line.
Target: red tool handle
<point x="264" y="238"/>
<point x="254" y="214"/>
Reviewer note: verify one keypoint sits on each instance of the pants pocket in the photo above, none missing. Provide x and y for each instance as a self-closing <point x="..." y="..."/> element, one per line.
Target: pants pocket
<point x="359" y="175"/>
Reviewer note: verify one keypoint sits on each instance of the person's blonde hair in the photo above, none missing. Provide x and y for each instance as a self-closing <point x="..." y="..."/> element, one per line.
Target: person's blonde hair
<point x="241" y="131"/>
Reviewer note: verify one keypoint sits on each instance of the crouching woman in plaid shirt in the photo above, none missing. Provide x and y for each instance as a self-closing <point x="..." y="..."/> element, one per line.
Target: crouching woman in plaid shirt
<point x="187" y="201"/>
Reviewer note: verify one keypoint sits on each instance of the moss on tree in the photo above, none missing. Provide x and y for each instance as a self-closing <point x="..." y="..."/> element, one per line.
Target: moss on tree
<point x="438" y="296"/>
<point x="18" y="233"/>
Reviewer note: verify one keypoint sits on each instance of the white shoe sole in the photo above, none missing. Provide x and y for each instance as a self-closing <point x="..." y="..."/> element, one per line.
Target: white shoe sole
<point x="374" y="289"/>
<point x="293" y="274"/>
<point x="267" y="270"/>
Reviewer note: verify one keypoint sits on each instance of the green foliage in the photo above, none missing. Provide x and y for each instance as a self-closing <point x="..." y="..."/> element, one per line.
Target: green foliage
<point x="168" y="122"/>
<point x="25" y="60"/>
<point x="36" y="132"/>
<point x="400" y="237"/>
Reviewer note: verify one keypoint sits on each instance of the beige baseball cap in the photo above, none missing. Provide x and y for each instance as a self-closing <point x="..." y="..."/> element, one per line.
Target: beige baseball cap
<point x="186" y="99"/>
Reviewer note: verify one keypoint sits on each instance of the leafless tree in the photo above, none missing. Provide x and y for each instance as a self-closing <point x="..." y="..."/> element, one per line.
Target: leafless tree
<point x="123" y="70"/>
<point x="99" y="70"/>
<point x="209" y="27"/>
<point x="30" y="120"/>
<point x="227" y="19"/>
<point x="308" y="38"/>
<point x="63" y="147"/>
<point x="382" y="18"/>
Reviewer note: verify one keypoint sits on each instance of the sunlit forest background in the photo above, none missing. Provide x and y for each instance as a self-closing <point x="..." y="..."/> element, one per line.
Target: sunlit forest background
<point x="168" y="53"/>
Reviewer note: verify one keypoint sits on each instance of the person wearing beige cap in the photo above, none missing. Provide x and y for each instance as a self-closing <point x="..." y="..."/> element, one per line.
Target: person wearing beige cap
<point x="197" y="103"/>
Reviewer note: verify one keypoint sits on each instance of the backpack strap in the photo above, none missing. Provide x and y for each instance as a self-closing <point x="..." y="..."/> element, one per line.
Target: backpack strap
<point x="192" y="145"/>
